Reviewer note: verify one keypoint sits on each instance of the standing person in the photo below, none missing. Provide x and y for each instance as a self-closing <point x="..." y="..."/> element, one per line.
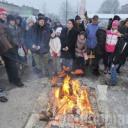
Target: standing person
<point x="121" y="52"/>
<point x="100" y="48"/>
<point x="116" y="17"/>
<point x="80" y="53"/>
<point x="91" y="35"/>
<point x="14" y="30"/>
<point x="68" y="39"/>
<point x="55" y="52"/>
<point x="8" y="53"/>
<point x="28" y="39"/>
<point x="40" y="47"/>
<point x="17" y="35"/>
<point x="111" y="42"/>
<point x="78" y="24"/>
<point x="28" y="35"/>
<point x="22" y="51"/>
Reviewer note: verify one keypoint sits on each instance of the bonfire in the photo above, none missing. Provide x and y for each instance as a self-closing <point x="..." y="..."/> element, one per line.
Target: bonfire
<point x="69" y="105"/>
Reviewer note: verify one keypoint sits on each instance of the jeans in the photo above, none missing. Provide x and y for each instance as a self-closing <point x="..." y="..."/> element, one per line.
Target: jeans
<point x="56" y="66"/>
<point x="42" y="63"/>
<point x="67" y="62"/>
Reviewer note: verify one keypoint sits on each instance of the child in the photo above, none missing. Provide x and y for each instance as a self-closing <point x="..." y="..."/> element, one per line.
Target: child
<point x="111" y="41"/>
<point x="55" y="49"/>
<point x="80" y="54"/>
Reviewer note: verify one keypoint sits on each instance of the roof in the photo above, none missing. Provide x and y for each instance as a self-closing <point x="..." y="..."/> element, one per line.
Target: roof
<point x="107" y="16"/>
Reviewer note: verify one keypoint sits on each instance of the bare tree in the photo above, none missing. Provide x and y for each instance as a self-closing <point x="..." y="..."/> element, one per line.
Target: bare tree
<point x="109" y="7"/>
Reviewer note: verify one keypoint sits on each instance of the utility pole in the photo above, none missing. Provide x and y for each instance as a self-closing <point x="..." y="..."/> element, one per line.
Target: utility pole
<point x="66" y="11"/>
<point x="82" y="8"/>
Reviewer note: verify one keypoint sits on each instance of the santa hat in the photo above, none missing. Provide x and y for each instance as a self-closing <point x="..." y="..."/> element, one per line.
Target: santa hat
<point x="3" y="11"/>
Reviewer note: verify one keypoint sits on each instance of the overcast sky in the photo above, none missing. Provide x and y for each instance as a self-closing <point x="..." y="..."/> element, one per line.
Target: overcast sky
<point x="54" y="5"/>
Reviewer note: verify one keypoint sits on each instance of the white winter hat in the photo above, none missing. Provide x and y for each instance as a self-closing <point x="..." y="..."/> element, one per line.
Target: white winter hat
<point x="31" y="19"/>
<point x="58" y="30"/>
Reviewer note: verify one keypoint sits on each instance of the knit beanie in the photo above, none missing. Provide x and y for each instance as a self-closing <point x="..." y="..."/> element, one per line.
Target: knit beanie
<point x="3" y="11"/>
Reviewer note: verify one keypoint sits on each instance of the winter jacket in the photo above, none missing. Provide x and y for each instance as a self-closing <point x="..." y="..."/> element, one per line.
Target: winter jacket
<point x="16" y="34"/>
<point x="101" y="40"/>
<point x="80" y="27"/>
<point x="91" y="35"/>
<point x="123" y="30"/>
<point x="28" y="38"/>
<point x="41" y="37"/>
<point x="68" y="38"/>
<point x="111" y="41"/>
<point x="121" y="52"/>
<point x="55" y="47"/>
<point x="81" y="48"/>
<point x="6" y="42"/>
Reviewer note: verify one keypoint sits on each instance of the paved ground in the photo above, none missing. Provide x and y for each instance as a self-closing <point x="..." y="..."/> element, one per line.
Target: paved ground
<point x="22" y="101"/>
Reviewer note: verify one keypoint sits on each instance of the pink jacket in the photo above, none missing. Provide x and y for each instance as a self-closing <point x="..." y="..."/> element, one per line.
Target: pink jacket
<point x="111" y="40"/>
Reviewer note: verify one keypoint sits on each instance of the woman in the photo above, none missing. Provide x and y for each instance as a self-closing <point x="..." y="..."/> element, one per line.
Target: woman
<point x="28" y="39"/>
<point x="121" y="52"/>
<point x="68" y="39"/>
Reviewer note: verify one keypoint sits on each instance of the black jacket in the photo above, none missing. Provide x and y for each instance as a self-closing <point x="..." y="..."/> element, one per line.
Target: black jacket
<point x="101" y="39"/>
<point x="68" y="38"/>
<point x="121" y="51"/>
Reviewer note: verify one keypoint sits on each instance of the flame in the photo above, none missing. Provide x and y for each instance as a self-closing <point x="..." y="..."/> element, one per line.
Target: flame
<point x="72" y="96"/>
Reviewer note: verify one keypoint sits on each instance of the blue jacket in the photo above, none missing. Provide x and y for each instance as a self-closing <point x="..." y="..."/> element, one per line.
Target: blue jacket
<point x="91" y="35"/>
<point x="29" y="38"/>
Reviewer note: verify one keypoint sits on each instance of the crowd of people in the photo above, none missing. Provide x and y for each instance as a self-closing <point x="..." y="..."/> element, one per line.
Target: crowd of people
<point x="55" y="49"/>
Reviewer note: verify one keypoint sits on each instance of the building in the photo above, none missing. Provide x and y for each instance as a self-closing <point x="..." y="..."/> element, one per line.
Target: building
<point x="23" y="11"/>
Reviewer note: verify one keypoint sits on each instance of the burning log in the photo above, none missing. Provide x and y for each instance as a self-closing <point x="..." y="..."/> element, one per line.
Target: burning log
<point x="45" y="116"/>
<point x="54" y="81"/>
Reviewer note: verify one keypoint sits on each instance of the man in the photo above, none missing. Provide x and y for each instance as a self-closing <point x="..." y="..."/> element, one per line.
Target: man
<point x="8" y="54"/>
<point x="41" y="37"/>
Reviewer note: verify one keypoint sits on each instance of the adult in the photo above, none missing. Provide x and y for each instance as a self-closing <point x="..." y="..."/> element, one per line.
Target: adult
<point x="41" y="37"/>
<point x="68" y="41"/>
<point x="78" y="24"/>
<point x="121" y="52"/>
<point x="8" y="53"/>
<point x="100" y="47"/>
